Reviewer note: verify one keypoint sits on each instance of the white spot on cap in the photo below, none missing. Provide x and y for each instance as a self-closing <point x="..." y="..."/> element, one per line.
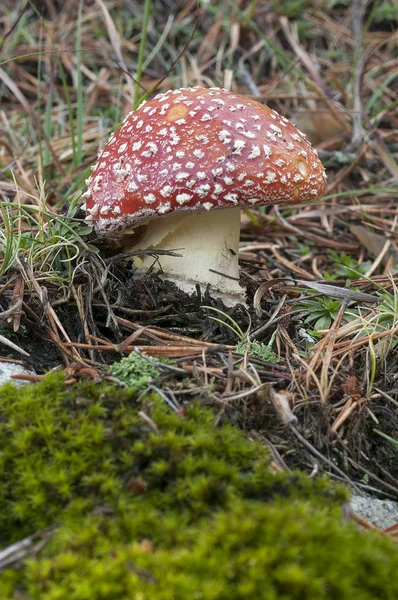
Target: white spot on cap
<point x="198" y="153"/>
<point x="164" y="109"/>
<point x="206" y="117"/>
<point x="207" y="205"/>
<point x="183" y="198"/>
<point x="201" y="175"/>
<point x="142" y="177"/>
<point x="152" y="150"/>
<point x="238" y="146"/>
<point x="132" y="187"/>
<point x="190" y="165"/>
<point x="164" y="208"/>
<point x="175" y="139"/>
<point x="267" y="150"/>
<point x="202" y="138"/>
<point x="248" y="134"/>
<point x="180" y="153"/>
<point x="224" y="136"/>
<point x="231" y="198"/>
<point x="122" y="148"/>
<point x="122" y="172"/>
<point x="97" y="186"/>
<point x="150" y="198"/>
<point x="270" y="177"/>
<point x="217" y="172"/>
<point x="255" y="152"/>
<point x="93" y="210"/>
<point x="203" y="190"/>
<point x="166" y="191"/>
<point x="181" y="176"/>
<point x="228" y="180"/>
<point x="137" y="146"/>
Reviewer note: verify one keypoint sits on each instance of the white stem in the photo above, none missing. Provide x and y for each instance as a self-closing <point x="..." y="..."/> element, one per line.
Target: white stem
<point x="209" y="244"/>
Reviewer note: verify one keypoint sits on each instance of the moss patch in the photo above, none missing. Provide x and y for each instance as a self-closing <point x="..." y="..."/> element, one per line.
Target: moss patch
<point x="152" y="505"/>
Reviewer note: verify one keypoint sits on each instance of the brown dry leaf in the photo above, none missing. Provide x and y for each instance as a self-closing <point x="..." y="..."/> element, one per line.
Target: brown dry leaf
<point x="373" y="242"/>
<point x="321" y="127"/>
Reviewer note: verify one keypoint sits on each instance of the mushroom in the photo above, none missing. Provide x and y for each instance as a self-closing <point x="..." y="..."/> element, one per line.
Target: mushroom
<point x="176" y="173"/>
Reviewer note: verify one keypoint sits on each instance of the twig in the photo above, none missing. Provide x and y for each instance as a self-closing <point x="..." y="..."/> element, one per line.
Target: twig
<point x="12" y="555"/>
<point x="358" y="133"/>
<point x="315" y="452"/>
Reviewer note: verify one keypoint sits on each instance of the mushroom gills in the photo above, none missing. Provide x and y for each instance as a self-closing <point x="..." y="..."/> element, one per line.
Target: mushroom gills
<point x="209" y="245"/>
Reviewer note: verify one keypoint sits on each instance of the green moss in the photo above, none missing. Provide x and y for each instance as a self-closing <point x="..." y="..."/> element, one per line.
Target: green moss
<point x="149" y="505"/>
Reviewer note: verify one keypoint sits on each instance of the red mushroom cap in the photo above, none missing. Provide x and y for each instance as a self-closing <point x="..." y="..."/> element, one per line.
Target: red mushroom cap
<point x="200" y="149"/>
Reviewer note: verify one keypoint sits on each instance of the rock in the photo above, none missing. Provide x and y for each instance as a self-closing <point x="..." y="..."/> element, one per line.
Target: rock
<point x="381" y="513"/>
<point x="8" y="368"/>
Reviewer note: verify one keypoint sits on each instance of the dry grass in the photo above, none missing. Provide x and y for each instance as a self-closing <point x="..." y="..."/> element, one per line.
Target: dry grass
<point x="68" y="75"/>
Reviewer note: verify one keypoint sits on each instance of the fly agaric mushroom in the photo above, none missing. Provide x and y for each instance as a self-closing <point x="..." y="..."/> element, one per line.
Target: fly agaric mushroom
<point x="176" y="161"/>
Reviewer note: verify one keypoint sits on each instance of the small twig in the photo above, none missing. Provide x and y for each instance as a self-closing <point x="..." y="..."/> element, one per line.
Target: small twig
<point x="315" y="452"/>
<point x="358" y="134"/>
<point x="6" y="342"/>
<point x="12" y="555"/>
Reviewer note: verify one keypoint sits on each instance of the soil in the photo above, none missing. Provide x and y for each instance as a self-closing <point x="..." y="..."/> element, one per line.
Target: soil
<point x="358" y="451"/>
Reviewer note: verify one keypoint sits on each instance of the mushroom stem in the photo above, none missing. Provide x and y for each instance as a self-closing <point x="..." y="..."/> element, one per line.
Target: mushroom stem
<point x="209" y="244"/>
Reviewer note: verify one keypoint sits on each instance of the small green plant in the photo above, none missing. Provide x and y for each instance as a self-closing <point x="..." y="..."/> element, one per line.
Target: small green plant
<point x="382" y="318"/>
<point x="322" y="311"/>
<point x="345" y="266"/>
<point x="386" y="10"/>
<point x="258" y="350"/>
<point x="136" y="370"/>
<point x="49" y="244"/>
<point x="227" y="321"/>
<point x="392" y="441"/>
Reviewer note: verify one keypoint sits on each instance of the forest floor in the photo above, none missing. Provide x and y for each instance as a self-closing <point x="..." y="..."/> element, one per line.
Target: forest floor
<point x="309" y="371"/>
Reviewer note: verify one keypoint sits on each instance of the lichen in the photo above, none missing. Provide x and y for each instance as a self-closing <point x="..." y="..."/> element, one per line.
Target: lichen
<point x="257" y="350"/>
<point x="148" y="504"/>
<point x="136" y="370"/>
